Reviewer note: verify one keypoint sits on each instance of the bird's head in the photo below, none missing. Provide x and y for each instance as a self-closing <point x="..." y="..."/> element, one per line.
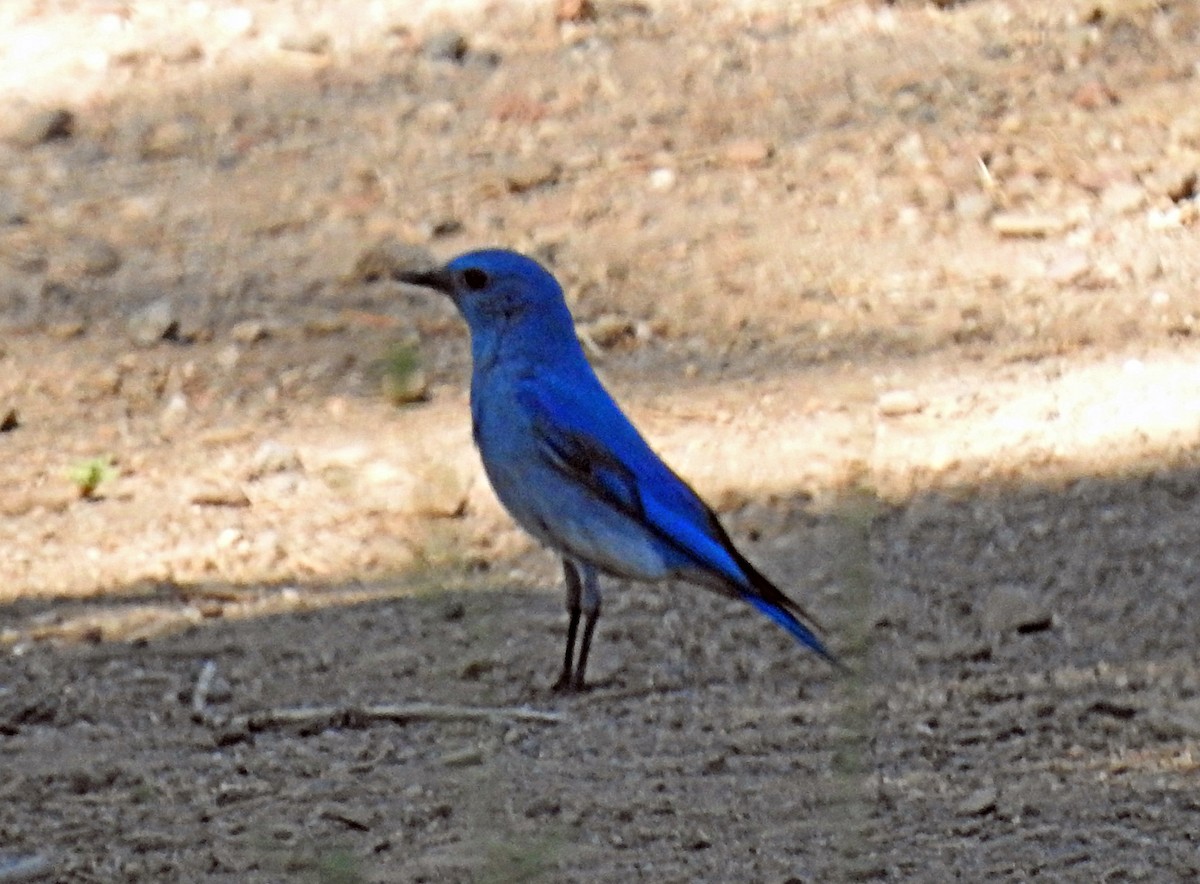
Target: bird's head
<point x="493" y="287"/>
<point x="509" y="301"/>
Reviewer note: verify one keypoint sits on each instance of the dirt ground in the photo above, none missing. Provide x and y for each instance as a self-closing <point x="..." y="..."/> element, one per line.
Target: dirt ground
<point x="907" y="290"/>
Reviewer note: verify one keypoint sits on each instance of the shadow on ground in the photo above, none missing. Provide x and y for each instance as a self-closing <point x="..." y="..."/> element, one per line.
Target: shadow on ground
<point x="1026" y="701"/>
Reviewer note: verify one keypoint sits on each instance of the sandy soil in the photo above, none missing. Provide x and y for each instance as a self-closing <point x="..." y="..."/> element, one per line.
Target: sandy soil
<point x="908" y="291"/>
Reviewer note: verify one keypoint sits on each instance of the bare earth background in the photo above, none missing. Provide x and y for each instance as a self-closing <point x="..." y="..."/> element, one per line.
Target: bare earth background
<point x="908" y="291"/>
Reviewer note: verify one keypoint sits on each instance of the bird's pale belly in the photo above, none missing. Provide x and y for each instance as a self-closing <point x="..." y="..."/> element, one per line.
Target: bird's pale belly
<point x="564" y="518"/>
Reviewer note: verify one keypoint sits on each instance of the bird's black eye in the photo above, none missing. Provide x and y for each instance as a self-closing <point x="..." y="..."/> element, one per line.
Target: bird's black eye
<point x="475" y="279"/>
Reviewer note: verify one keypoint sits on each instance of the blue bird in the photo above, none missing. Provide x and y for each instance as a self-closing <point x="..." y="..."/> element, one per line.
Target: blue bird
<point x="570" y="467"/>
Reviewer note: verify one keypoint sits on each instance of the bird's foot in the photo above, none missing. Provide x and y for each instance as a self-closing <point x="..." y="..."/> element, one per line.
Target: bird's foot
<point x="568" y="684"/>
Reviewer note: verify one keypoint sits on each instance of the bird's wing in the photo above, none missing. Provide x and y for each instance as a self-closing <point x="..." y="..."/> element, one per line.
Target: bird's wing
<point x="590" y="441"/>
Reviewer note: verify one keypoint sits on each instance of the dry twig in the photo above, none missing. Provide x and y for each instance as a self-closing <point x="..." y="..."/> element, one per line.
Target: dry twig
<point x="405" y="713"/>
<point x="200" y="692"/>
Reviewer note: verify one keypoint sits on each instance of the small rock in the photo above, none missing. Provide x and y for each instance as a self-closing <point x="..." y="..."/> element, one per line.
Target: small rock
<point x="530" y="174"/>
<point x="272" y="457"/>
<point x="748" y="152"/>
<point x="405" y="388"/>
<point x="181" y="50"/>
<point x="574" y="11"/>
<point x="218" y="493"/>
<point x="66" y="329"/>
<point x="235" y="21"/>
<point x="448" y="45"/>
<point x="311" y="43"/>
<point x="326" y="324"/>
<point x="38" y="126"/>
<point x="10" y="421"/>
<point x="518" y="107"/>
<point x="1177" y="721"/>
<point x="89" y="257"/>
<point x="609" y="329"/>
<point x="352" y="818"/>
<point x="662" y="179"/>
<point x="442" y="227"/>
<point x="248" y="331"/>
<point x="23" y="252"/>
<point x="896" y="403"/>
<point x="1122" y="198"/>
<point x="12" y="209"/>
<point x="973" y="205"/>
<point x="1010" y="608"/>
<point x="980" y="802"/>
<point x="174" y="413"/>
<point x="388" y="257"/>
<point x="473" y="670"/>
<point x="440" y="491"/>
<point x="228" y="356"/>
<point x="962" y="648"/>
<point x="25" y="867"/>
<point x="468" y="757"/>
<point x="1182" y="185"/>
<point x="171" y="139"/>
<point x="1093" y="95"/>
<point x="1147" y="266"/>
<point x="1019" y="224"/>
<point x="1164" y="219"/>
<point x="1068" y="266"/>
<point x="155" y="322"/>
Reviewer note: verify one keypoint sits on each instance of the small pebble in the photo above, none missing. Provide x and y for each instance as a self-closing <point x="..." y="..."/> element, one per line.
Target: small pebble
<point x="972" y="206"/>
<point x="272" y="457"/>
<point x="468" y="757"/>
<point x="181" y="50"/>
<point x="574" y="11"/>
<point x="174" y="413"/>
<point x="248" y="331"/>
<point x="34" y="127"/>
<point x="219" y="494"/>
<point x="66" y="329"/>
<point x="89" y="257"/>
<point x="609" y="329"/>
<point x="896" y="403"/>
<point x="155" y="322"/>
<point x="1009" y="608"/>
<point x="1068" y="266"/>
<point x="1122" y="198"/>
<point x="662" y="179"/>
<point x="748" y="152"/>
<point x="1093" y="95"/>
<point x="311" y="43"/>
<point x="405" y="388"/>
<point x="1016" y="224"/>
<point x="446" y="45"/>
<point x="235" y="21"/>
<point x="530" y="174"/>
<point x="980" y="802"/>
<point x="171" y="139"/>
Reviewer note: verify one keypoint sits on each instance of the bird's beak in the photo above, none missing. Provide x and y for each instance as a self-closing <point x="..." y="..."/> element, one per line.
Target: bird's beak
<point x="439" y="280"/>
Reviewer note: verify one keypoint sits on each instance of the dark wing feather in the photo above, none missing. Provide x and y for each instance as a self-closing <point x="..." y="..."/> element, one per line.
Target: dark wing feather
<point x="593" y="464"/>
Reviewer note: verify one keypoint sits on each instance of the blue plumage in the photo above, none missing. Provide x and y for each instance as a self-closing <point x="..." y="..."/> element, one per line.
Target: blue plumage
<point x="570" y="467"/>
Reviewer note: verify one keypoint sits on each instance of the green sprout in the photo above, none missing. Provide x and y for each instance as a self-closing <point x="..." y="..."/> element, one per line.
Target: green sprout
<point x="404" y="380"/>
<point x="90" y="474"/>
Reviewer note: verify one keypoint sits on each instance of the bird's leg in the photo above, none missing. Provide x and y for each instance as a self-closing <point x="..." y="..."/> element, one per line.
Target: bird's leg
<point x="591" y="610"/>
<point x="574" y="596"/>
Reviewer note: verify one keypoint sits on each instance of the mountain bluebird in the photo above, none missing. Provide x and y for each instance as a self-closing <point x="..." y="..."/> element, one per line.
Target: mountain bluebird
<point x="570" y="467"/>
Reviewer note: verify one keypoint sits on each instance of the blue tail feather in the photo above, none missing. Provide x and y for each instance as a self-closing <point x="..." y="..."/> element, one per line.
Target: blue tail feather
<point x="798" y="630"/>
